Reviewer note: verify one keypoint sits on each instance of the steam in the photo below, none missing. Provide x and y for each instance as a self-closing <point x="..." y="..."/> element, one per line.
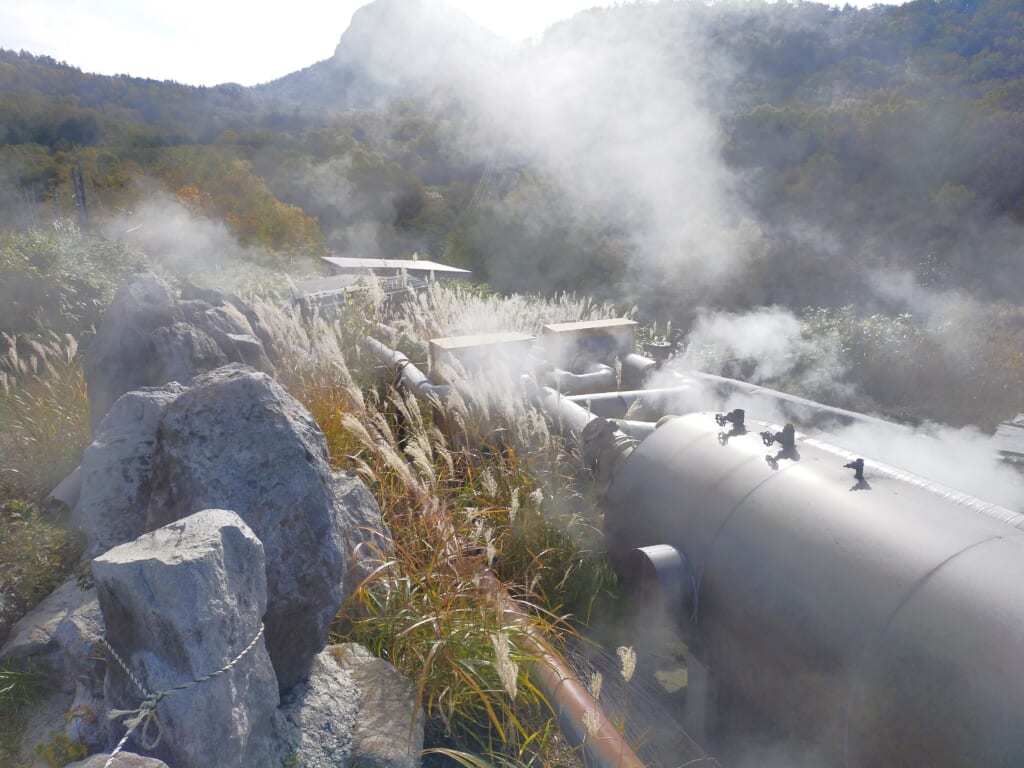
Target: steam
<point x="964" y="459"/>
<point x="618" y="127"/>
<point x="766" y="345"/>
<point x="187" y="245"/>
<point x="610" y="120"/>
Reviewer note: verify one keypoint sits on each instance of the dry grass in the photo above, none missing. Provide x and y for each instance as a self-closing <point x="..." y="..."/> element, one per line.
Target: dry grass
<point x="44" y="412"/>
<point x="484" y="488"/>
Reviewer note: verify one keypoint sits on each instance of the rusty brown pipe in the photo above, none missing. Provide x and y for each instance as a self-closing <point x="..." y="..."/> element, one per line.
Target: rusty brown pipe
<point x="604" y="746"/>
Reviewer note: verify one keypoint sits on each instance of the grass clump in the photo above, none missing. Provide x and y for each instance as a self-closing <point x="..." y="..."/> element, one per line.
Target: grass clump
<point x="479" y="488"/>
<point x="44" y="427"/>
<point x="18" y="688"/>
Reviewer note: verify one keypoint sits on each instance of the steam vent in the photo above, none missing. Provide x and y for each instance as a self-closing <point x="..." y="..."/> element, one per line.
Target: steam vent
<point x="422" y="383"/>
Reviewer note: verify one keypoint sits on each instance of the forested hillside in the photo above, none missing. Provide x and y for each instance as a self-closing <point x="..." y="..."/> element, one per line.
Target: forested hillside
<point x="842" y="164"/>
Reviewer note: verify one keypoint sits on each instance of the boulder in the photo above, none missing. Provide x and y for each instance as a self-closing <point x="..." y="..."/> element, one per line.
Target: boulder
<point x="60" y="639"/>
<point x="143" y="340"/>
<point x="237" y="440"/>
<point x="123" y="760"/>
<point x="233" y="333"/>
<point x="116" y="468"/>
<point x="368" y="541"/>
<point x="43" y="720"/>
<point x="239" y="347"/>
<point x="120" y="357"/>
<point x="389" y="725"/>
<point x="181" y="352"/>
<point x="318" y="716"/>
<point x="218" y="298"/>
<point x="179" y="604"/>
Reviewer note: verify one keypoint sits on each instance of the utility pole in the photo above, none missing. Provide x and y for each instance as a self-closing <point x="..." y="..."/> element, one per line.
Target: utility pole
<point x="79" y="184"/>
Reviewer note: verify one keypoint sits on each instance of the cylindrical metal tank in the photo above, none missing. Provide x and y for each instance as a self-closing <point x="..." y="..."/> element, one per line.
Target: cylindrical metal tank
<point x="880" y="618"/>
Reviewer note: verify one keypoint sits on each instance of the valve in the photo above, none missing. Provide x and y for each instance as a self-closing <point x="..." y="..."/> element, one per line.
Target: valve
<point x="735" y="418"/>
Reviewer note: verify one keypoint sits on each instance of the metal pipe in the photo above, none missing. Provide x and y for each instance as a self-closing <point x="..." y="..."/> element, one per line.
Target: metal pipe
<point x="64" y="497"/>
<point x="656" y="402"/>
<point x="717" y="390"/>
<point x="636" y="369"/>
<point x="600" y="379"/>
<point x="638" y="430"/>
<point x="563" y="412"/>
<point x="572" y="704"/>
<point x="832" y="604"/>
<point x="411" y="377"/>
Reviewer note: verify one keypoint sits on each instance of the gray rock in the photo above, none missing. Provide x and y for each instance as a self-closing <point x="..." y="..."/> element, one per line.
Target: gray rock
<point x="60" y="637"/>
<point x="180" y="603"/>
<point x="120" y="357"/>
<point x="44" y="720"/>
<point x="116" y="468"/>
<point x="318" y="716"/>
<point x="225" y="318"/>
<point x="218" y="298"/>
<point x="233" y="333"/>
<point x="181" y="352"/>
<point x="237" y="440"/>
<point x="389" y="726"/>
<point x="250" y="351"/>
<point x="367" y="539"/>
<point x="192" y="309"/>
<point x="123" y="760"/>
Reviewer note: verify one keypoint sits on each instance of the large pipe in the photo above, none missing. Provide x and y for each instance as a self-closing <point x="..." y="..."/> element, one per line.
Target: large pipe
<point x="654" y="402"/>
<point x="600" y="379"/>
<point x="411" y="377"/>
<point x="704" y="391"/>
<point x="636" y="369"/>
<point x="563" y="412"/>
<point x="603" y="444"/>
<point x="878" y="616"/>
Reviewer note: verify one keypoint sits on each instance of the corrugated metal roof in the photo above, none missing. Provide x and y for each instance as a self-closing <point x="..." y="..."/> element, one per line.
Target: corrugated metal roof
<point x="1009" y="437"/>
<point x="409" y="265"/>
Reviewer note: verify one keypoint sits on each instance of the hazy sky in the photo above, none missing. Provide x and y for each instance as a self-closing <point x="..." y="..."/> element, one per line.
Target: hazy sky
<point x="206" y="42"/>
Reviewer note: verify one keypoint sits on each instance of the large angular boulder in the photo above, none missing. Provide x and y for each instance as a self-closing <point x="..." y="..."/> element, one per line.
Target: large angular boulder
<point x="120" y="357"/>
<point x="116" y="468"/>
<point x="145" y="341"/>
<point x="390" y="722"/>
<point x="179" y="604"/>
<point x="317" y="718"/>
<point x="123" y="760"/>
<point x="368" y="541"/>
<point x="353" y="711"/>
<point x="237" y="440"/>
<point x="60" y="639"/>
<point x="214" y="297"/>
<point x="181" y="352"/>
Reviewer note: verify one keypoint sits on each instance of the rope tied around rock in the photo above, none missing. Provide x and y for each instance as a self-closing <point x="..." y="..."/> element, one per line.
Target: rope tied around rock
<point x="145" y="714"/>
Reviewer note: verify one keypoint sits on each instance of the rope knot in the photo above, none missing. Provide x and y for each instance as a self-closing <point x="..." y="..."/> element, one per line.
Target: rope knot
<point x="144" y="716"/>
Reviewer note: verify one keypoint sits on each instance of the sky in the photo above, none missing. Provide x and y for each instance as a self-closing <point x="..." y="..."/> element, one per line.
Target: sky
<point x="207" y="42"/>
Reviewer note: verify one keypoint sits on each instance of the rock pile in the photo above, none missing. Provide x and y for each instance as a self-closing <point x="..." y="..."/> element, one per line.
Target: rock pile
<point x="148" y="337"/>
<point x="219" y="532"/>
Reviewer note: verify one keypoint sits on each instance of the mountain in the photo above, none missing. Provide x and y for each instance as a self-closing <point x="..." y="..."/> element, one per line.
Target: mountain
<point x="392" y="49"/>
